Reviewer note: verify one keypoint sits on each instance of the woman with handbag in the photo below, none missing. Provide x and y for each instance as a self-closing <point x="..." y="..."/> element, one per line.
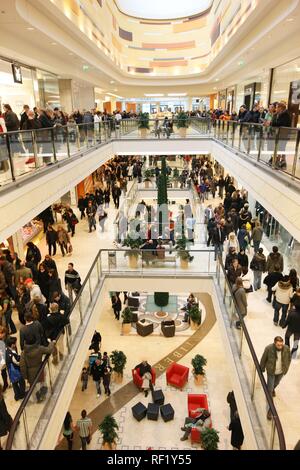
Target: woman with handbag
<point x="102" y="217"/>
<point x="68" y="429"/>
<point x="63" y="239"/>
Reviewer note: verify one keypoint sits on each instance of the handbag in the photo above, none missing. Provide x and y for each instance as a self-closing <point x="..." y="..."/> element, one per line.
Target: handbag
<point x="14" y="373"/>
<point x="70" y="248"/>
<point x="74" y="220"/>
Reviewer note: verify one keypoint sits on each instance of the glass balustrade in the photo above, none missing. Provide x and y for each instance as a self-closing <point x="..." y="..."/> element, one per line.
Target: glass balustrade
<point x="26" y="152"/>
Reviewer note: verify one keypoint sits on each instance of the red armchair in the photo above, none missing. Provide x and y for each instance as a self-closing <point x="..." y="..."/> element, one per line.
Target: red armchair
<point x="177" y="375"/>
<point x="196" y="401"/>
<point x="137" y="379"/>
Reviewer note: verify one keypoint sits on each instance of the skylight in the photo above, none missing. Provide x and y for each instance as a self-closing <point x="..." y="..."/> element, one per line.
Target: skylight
<point x="162" y="10"/>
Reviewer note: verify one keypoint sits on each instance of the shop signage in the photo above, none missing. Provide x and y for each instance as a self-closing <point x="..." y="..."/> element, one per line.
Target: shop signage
<point x="17" y="73"/>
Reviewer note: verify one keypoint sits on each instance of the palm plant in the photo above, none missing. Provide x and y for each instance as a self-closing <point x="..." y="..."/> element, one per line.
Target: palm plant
<point x="108" y="430"/>
<point x="143" y="121"/>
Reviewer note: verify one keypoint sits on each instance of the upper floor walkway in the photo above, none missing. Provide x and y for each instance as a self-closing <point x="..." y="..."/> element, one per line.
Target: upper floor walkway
<point x="38" y="167"/>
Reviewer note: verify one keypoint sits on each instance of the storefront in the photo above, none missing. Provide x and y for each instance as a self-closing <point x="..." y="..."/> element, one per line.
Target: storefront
<point x="21" y="84"/>
<point x="17" y="90"/>
<point x="286" y="87"/>
<point x="277" y="234"/>
<point x="253" y="90"/>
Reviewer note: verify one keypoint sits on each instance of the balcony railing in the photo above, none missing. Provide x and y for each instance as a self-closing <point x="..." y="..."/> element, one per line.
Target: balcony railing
<point x="24" y="153"/>
<point x="30" y="423"/>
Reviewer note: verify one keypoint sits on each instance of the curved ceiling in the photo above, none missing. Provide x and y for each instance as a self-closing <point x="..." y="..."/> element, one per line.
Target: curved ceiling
<point x="162" y="10"/>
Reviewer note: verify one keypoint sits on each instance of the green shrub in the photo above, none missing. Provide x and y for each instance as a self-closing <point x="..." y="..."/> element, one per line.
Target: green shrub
<point x="161" y="298"/>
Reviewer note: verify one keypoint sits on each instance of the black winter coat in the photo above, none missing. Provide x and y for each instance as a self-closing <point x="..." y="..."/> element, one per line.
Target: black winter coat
<point x="237" y="435"/>
<point x="5" y="419"/>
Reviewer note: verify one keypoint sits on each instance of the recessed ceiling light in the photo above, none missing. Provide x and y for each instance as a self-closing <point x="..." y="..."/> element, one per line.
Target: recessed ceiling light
<point x="154" y="94"/>
<point x="112" y="81"/>
<point x="30" y="29"/>
<point x="177" y="94"/>
<point x="217" y="79"/>
<point x="115" y="89"/>
<point x="53" y="44"/>
<point x="290" y="19"/>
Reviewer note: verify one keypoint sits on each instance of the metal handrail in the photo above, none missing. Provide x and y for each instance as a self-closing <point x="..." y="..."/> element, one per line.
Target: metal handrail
<point x="277" y="422"/>
<point x="275" y="416"/>
<point x="30" y="392"/>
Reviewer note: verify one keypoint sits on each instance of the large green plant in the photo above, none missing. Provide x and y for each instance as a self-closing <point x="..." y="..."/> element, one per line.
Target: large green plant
<point x="195" y="314"/>
<point x="182" y="120"/>
<point x="198" y="363"/>
<point x="182" y="252"/>
<point x="209" y="439"/>
<point x="147" y="174"/>
<point x="161" y="298"/>
<point x="108" y="430"/>
<point x="127" y="315"/>
<point x="143" y="121"/>
<point x="176" y="174"/>
<point x="118" y="360"/>
<point x="133" y="243"/>
<point x="162" y="195"/>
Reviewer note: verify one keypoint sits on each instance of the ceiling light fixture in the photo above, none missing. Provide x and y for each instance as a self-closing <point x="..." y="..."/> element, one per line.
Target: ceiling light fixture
<point x="53" y="44"/>
<point x="177" y="94"/>
<point x="154" y="94"/>
<point x="116" y="96"/>
<point x="112" y="81"/>
<point x="30" y="28"/>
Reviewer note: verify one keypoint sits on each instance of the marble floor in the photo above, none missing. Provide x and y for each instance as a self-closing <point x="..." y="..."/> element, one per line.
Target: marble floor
<point x="134" y="435"/>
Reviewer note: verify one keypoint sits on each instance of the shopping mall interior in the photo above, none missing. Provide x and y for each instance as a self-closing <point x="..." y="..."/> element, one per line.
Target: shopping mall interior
<point x="149" y="225"/>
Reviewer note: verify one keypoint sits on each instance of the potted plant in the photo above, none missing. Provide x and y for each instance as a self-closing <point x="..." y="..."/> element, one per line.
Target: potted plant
<point x="198" y="363"/>
<point x="161" y="299"/>
<point x="147" y="177"/>
<point x="176" y="176"/>
<point x="108" y="430"/>
<point x="118" y="360"/>
<point x="143" y="124"/>
<point x="209" y="439"/>
<point x="127" y="316"/>
<point x="182" y="123"/>
<point x="133" y="254"/>
<point x="195" y="315"/>
<point x="183" y="253"/>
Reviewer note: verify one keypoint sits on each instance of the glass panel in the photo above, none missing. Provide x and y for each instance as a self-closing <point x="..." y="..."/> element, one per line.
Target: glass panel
<point x="5" y="162"/>
<point x="60" y="142"/>
<point x="44" y="145"/>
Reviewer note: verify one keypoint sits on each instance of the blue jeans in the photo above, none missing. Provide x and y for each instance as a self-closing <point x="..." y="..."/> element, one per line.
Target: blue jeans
<point x="272" y="382"/>
<point x="84" y="442"/>
<point x="277" y="307"/>
<point x="257" y="275"/>
<point x="218" y="250"/>
<point x="9" y="322"/>
<point x="256" y="246"/>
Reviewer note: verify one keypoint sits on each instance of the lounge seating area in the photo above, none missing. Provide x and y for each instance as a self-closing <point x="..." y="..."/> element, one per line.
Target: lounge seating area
<point x="177" y="375"/>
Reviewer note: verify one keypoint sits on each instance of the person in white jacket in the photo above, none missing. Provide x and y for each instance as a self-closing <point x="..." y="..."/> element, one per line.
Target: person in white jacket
<point x="35" y="290"/>
<point x="232" y="242"/>
<point x="283" y="294"/>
